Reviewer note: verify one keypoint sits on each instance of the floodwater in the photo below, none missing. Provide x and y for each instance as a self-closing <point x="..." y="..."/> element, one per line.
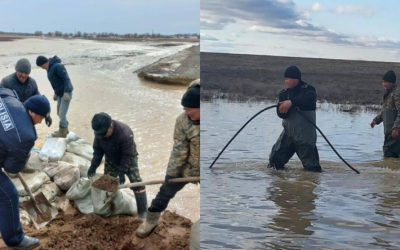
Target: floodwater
<point x="103" y="79"/>
<point x="247" y="206"/>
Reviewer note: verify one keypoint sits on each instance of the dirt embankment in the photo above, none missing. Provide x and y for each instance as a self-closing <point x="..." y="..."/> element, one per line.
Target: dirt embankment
<point x="92" y="232"/>
<point x="181" y="68"/>
<point x="258" y="78"/>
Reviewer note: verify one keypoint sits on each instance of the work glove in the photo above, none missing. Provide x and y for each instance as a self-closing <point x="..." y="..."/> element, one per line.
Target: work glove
<point x="48" y="121"/>
<point x="66" y="97"/>
<point x="121" y="178"/>
<point x="55" y="97"/>
<point x="167" y="177"/>
<point x="91" y="171"/>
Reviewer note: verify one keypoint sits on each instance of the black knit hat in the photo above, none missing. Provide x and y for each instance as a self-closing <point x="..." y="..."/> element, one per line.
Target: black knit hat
<point x="390" y="76"/>
<point x="293" y="72"/>
<point x="38" y="104"/>
<point x="101" y="122"/>
<point x="40" y="60"/>
<point x="191" y="99"/>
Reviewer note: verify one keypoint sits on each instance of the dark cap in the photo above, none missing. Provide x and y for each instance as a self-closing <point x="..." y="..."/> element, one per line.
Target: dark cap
<point x="101" y="122"/>
<point x="40" y="60"/>
<point x="390" y="76"/>
<point x="38" y="104"/>
<point x="191" y="99"/>
<point x="292" y="72"/>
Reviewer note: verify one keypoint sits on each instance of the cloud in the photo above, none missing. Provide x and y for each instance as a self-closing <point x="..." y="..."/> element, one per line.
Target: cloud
<point x="345" y="9"/>
<point x="205" y="37"/>
<point x="317" y="7"/>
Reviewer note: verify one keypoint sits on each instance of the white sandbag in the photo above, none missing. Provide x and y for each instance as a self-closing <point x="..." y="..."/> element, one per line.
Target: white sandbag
<point x="195" y="236"/>
<point x="82" y="141"/>
<point x="77" y="161"/>
<point x="34" y="161"/>
<point x="53" y="149"/>
<point x="53" y="168"/>
<point x="83" y="150"/>
<point x="72" y="137"/>
<point x="80" y="193"/>
<point x="65" y="179"/>
<point x="49" y="189"/>
<point x="33" y="180"/>
<point x="107" y="203"/>
<point x="100" y="202"/>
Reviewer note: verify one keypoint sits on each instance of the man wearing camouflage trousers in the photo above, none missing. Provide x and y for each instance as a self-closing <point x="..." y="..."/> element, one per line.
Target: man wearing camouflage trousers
<point x="184" y="160"/>
<point x="114" y="139"/>
<point x="390" y="116"/>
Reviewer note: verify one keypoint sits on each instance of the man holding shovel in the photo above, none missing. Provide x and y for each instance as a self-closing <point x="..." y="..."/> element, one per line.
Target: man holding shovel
<point x="114" y="139"/>
<point x="17" y="137"/>
<point x="62" y="86"/>
<point x="390" y="115"/>
<point x="184" y="160"/>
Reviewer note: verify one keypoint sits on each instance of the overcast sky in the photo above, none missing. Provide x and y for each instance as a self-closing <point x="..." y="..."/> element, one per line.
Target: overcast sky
<point x="117" y="16"/>
<point x="351" y="29"/>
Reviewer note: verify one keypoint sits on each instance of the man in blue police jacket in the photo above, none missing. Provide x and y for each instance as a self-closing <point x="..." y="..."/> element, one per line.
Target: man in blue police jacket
<point x="17" y="137"/>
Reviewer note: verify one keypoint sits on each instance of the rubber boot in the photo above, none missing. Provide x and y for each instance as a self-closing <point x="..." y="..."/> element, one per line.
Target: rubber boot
<point x="27" y="243"/>
<point x="62" y="132"/>
<point x="141" y="202"/>
<point x="147" y="227"/>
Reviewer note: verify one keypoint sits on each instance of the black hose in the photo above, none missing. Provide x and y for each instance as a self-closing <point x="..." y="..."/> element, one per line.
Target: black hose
<point x="270" y="107"/>
<point x="273" y="106"/>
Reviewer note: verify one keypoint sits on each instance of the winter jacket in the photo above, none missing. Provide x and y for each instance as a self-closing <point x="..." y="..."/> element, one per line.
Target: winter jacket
<point x="119" y="148"/>
<point x="303" y="97"/>
<point x="58" y="77"/>
<point x="390" y="105"/>
<point x="17" y="132"/>
<point x="24" y="90"/>
<point x="185" y="156"/>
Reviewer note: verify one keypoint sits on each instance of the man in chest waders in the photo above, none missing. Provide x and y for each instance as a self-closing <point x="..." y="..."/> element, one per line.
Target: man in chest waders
<point x="299" y="135"/>
<point x="389" y="116"/>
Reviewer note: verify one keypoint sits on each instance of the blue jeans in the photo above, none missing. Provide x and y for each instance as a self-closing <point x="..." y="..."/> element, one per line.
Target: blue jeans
<point x="10" y="225"/>
<point x="62" y="109"/>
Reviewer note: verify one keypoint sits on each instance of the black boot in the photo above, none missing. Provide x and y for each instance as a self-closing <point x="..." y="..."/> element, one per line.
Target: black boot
<point x="27" y="243"/>
<point x="141" y="203"/>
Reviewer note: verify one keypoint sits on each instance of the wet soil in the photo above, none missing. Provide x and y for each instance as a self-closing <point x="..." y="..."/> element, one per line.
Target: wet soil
<point x="92" y="232"/>
<point x="106" y="183"/>
<point x="258" y="78"/>
<point x="181" y="68"/>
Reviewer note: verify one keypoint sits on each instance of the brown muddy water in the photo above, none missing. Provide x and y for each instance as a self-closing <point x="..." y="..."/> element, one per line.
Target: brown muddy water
<point x="247" y="206"/>
<point x="101" y="73"/>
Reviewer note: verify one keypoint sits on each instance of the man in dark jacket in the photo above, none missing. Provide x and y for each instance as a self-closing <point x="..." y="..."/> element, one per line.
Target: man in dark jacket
<point x="390" y="116"/>
<point x="17" y="137"/>
<point x="22" y="84"/>
<point x="62" y="86"/>
<point x="115" y="140"/>
<point x="299" y="135"/>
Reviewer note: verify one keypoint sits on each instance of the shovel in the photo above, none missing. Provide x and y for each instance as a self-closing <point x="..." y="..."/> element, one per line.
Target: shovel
<point x="175" y="180"/>
<point x="38" y="207"/>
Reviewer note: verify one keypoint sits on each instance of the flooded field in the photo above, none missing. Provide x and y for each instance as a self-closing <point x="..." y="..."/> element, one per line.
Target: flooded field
<point x="101" y="73"/>
<point x="247" y="206"/>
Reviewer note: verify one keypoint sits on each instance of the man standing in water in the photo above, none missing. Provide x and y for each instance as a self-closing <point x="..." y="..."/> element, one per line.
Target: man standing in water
<point x="184" y="160"/>
<point x="17" y="137"/>
<point x="22" y="84"/>
<point x="299" y="135"/>
<point x="390" y="115"/>
<point x="62" y="86"/>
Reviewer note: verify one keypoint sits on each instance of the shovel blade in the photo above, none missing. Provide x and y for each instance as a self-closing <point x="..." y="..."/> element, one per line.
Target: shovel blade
<point x="47" y="213"/>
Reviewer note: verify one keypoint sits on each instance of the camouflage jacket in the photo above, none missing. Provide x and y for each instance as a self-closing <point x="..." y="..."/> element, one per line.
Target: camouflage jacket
<point x="391" y="101"/>
<point x="185" y="155"/>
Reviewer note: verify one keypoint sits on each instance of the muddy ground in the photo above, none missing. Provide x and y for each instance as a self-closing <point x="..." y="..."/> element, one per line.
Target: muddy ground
<point x="181" y="68"/>
<point x="92" y="232"/>
<point x="257" y="78"/>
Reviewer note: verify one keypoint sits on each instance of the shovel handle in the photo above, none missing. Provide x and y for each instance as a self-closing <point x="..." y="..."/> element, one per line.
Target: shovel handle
<point x="175" y="180"/>
<point x="28" y="190"/>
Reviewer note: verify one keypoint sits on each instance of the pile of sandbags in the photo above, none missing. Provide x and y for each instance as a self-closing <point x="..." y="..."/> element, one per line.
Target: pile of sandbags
<point x="56" y="167"/>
